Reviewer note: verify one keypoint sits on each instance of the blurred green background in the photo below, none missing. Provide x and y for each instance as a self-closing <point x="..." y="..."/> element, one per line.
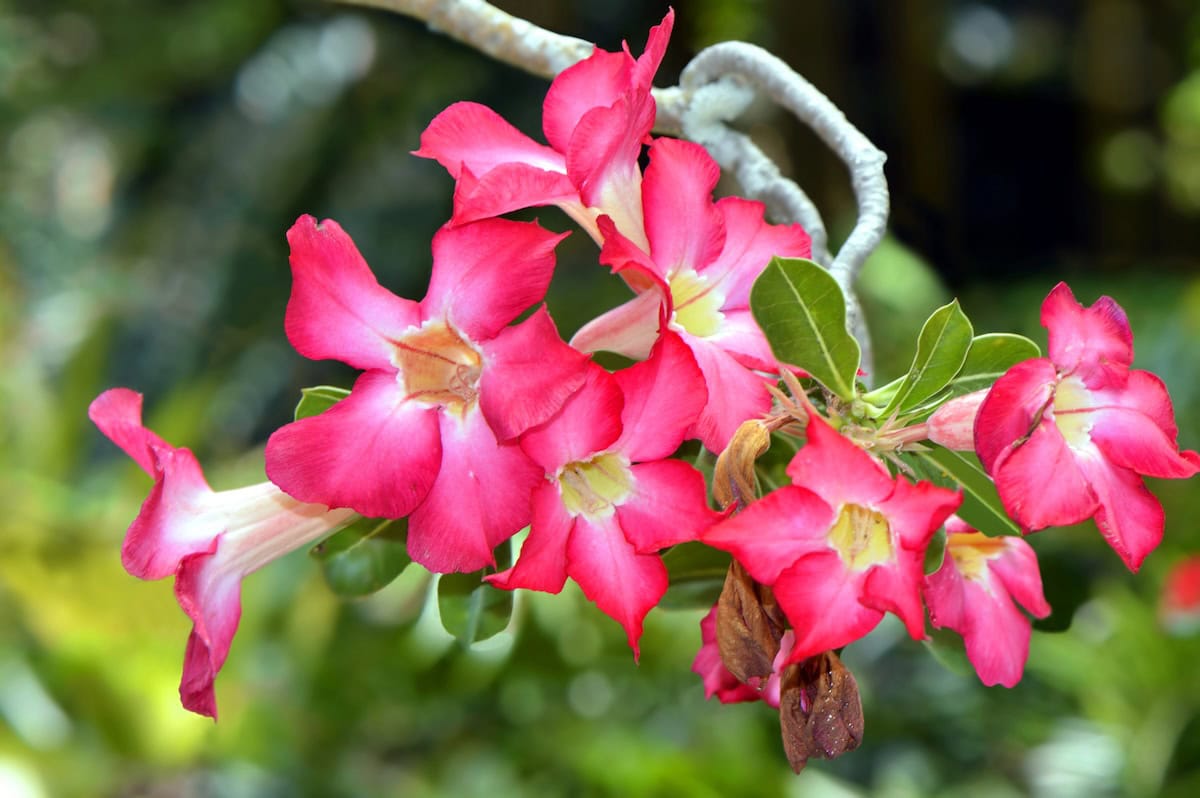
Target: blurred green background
<point x="152" y="155"/>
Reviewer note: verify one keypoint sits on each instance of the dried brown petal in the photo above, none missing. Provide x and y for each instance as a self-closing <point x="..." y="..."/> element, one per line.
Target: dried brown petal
<point x="819" y="710"/>
<point x="749" y="626"/>
<point x="733" y="478"/>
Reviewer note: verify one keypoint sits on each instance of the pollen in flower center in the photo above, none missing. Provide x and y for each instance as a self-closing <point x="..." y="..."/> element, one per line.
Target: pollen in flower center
<point x="595" y="487"/>
<point x="438" y="366"/>
<point x="1070" y="397"/>
<point x="971" y="551"/>
<point x="861" y="536"/>
<point x="697" y="305"/>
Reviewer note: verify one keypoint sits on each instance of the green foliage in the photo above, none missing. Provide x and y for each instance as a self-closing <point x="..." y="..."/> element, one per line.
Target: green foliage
<point x="471" y="609"/>
<point x="697" y="575"/>
<point x="802" y="312"/>
<point x="941" y="349"/>
<point x="981" y="506"/>
<point x="318" y="399"/>
<point x="363" y="557"/>
<point x="989" y="357"/>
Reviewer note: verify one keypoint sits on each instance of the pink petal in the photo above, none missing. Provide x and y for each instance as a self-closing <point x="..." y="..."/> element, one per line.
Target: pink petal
<point x="211" y="597"/>
<point x="542" y="564"/>
<point x="602" y="160"/>
<point x="481" y="498"/>
<point x="509" y="187"/>
<point x="590" y="422"/>
<point x="472" y="135"/>
<point x="896" y="588"/>
<point x="663" y="398"/>
<point x="1017" y="570"/>
<point x="741" y="337"/>
<point x="735" y="394"/>
<point x="630" y="329"/>
<point x="1133" y="440"/>
<point x="837" y="470"/>
<point x="750" y="243"/>
<point x="177" y="519"/>
<point x="1095" y="343"/>
<point x="337" y="309"/>
<point x="629" y="259"/>
<point x="1145" y="392"/>
<point x="916" y="512"/>
<point x="373" y="451"/>
<point x="656" y="47"/>
<point x="528" y="373"/>
<point x="1128" y="515"/>
<point x="953" y="424"/>
<point x="624" y="584"/>
<point x="595" y="82"/>
<point x="487" y="273"/>
<point x="669" y="506"/>
<point x="708" y="666"/>
<point x="774" y="532"/>
<point x="1012" y="408"/>
<point x="1040" y="482"/>
<point x="685" y="229"/>
<point x="118" y="414"/>
<point x="821" y="599"/>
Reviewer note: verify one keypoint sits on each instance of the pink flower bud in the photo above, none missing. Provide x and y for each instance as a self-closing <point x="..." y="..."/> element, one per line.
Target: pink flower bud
<point x="953" y="424"/>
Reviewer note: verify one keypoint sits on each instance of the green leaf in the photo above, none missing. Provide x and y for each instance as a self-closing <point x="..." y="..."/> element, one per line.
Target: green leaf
<point x="471" y="609"/>
<point x="363" y="557"/>
<point x="697" y="574"/>
<point x="981" y="506"/>
<point x="989" y="357"/>
<point x="316" y="400"/>
<point x="942" y="348"/>
<point x="802" y="311"/>
<point x="948" y="648"/>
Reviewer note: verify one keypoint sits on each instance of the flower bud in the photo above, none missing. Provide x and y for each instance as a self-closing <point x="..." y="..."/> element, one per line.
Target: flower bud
<point x="953" y="424"/>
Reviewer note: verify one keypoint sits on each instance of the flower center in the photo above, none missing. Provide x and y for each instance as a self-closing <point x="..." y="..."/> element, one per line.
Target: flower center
<point x="862" y="536"/>
<point x="438" y="366"/>
<point x="1071" y="401"/>
<point x="595" y="487"/>
<point x="971" y="551"/>
<point x="697" y="305"/>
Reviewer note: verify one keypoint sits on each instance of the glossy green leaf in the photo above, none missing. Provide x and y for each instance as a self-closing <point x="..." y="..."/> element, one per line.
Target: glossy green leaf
<point x="941" y="350"/>
<point x="318" y="399"/>
<point x="981" y="506"/>
<point x="364" y="556"/>
<point x="471" y="609"/>
<point x="802" y="312"/>
<point x="697" y="574"/>
<point x="989" y="357"/>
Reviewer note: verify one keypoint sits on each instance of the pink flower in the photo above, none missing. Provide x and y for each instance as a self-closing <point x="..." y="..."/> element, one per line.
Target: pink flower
<point x="611" y="499"/>
<point x="209" y="540"/>
<point x="840" y="546"/>
<point x="447" y="385"/>
<point x="700" y="261"/>
<point x="596" y="115"/>
<point x="1179" y="606"/>
<point x="1067" y="437"/>
<point x="973" y="593"/>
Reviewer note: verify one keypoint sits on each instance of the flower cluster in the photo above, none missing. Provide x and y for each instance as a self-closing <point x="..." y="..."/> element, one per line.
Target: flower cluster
<point x="472" y="419"/>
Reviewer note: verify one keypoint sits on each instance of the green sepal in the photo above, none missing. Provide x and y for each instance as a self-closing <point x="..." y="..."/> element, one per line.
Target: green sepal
<point x="697" y="574"/>
<point x="802" y="312"/>
<point x="471" y="609"/>
<point x="364" y="556"/>
<point x="316" y="400"/>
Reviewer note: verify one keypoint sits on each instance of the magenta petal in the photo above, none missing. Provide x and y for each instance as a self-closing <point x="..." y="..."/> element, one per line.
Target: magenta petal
<point x="775" y="531"/>
<point x="373" y="451"/>
<point x="711" y="669"/>
<point x="837" y="470"/>
<point x="683" y="225"/>
<point x="487" y="273"/>
<point x="528" y="373"/>
<point x="589" y="423"/>
<point x="624" y="584"/>
<point x="475" y="136"/>
<point x="595" y="82"/>
<point x="750" y="243"/>
<point x="1012" y="407"/>
<point x="118" y="414"/>
<point x="630" y="329"/>
<point x="669" y="506"/>
<point x="741" y="337"/>
<point x="735" y="394"/>
<point x="1133" y="440"/>
<point x="602" y="159"/>
<point x="542" y="564"/>
<point x="1040" y="482"/>
<point x="1094" y="343"/>
<point x="509" y="187"/>
<point x="211" y="597"/>
<point x="337" y="309"/>
<point x="663" y="398"/>
<point x="821" y="599"/>
<point x="916" y="512"/>
<point x="1128" y="516"/>
<point x="177" y="519"/>
<point x="481" y="498"/>
<point x="896" y="588"/>
<point x="1017" y="570"/>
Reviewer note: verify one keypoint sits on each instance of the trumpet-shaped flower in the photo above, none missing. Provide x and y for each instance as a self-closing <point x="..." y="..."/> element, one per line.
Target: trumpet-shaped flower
<point x="596" y="115"/>
<point x="611" y="499"/>
<point x="841" y="545"/>
<point x="1068" y="437"/>
<point x="973" y="593"/>
<point x="429" y="427"/>
<point x="210" y="540"/>
<point x="701" y="260"/>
